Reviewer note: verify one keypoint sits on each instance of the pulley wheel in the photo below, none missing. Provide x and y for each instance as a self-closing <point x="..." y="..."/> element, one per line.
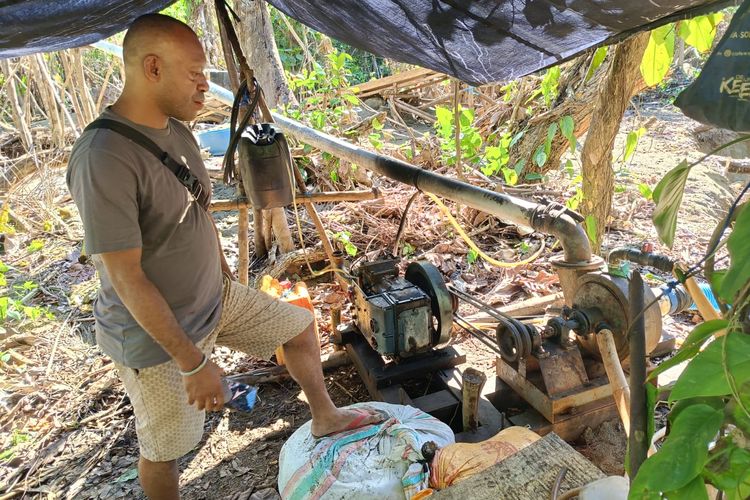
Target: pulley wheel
<point x="514" y="340"/>
<point x="428" y="278"/>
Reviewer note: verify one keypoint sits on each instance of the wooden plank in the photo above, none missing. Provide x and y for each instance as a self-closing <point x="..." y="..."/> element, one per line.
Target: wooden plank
<point x="529" y="473"/>
<point x="374" y="86"/>
<point x="529" y="307"/>
<point x="528" y="391"/>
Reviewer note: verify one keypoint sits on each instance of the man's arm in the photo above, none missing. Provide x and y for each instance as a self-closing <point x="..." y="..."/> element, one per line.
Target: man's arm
<point x="149" y="308"/>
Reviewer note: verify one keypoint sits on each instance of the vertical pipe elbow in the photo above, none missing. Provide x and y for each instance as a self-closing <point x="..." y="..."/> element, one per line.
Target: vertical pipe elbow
<point x="571" y="234"/>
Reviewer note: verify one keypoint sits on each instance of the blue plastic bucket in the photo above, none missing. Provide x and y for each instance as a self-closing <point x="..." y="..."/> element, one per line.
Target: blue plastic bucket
<point x="215" y="140"/>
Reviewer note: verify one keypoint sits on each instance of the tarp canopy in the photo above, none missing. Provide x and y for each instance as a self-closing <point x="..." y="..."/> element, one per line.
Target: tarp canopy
<point x="478" y="41"/>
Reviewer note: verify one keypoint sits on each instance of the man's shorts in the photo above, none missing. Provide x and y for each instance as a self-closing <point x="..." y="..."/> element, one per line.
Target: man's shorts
<point x="252" y="322"/>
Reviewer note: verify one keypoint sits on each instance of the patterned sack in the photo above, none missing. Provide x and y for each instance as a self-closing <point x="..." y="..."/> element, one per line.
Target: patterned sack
<point x="373" y="462"/>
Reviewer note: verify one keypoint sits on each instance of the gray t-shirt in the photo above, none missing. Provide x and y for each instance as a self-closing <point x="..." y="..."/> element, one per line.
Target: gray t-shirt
<point x="128" y="199"/>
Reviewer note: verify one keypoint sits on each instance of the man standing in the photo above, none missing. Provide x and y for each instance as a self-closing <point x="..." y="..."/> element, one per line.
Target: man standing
<point x="163" y="302"/>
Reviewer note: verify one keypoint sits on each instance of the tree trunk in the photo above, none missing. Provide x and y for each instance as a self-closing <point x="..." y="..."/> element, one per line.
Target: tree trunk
<point x="258" y="43"/>
<point x="205" y="18"/>
<point x="576" y="99"/>
<point x="611" y="103"/>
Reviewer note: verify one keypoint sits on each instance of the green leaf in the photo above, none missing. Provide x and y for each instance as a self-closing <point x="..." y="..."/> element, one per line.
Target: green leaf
<point x="510" y="176"/>
<point x="704" y="375"/>
<point x="715" y="402"/>
<point x="376" y="124"/>
<point x="681" y="458"/>
<point x="35" y="246"/>
<point x="569" y="168"/>
<point x="516" y="138"/>
<point x="631" y="142"/>
<point x="717" y="279"/>
<point x="738" y="244"/>
<point x="646" y="191"/>
<point x="351" y="99"/>
<point x="3" y="307"/>
<point x="567" y="129"/>
<point x="472" y="256"/>
<point x="699" y="32"/>
<point x="444" y="123"/>
<point x="668" y="197"/>
<point x="551" y="131"/>
<point x="658" y="56"/>
<point x="694" y="490"/>
<point x="736" y="411"/>
<point x="691" y="346"/>
<point x="590" y="222"/>
<point x="519" y="166"/>
<point x="596" y="61"/>
<point x="540" y="156"/>
<point x="731" y="472"/>
<point x="466" y="117"/>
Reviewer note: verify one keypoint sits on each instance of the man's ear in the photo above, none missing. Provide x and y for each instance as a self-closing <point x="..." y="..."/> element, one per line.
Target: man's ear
<point x="152" y="67"/>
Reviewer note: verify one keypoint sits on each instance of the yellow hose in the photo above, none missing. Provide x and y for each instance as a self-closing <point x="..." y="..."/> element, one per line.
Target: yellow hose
<point x="467" y="239"/>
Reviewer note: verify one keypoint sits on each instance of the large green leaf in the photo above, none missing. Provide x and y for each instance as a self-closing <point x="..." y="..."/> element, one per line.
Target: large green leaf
<point x="739" y="250"/>
<point x="691" y="346"/>
<point x="699" y="32"/>
<point x="658" y="56"/>
<point x="668" y="197"/>
<point x="704" y="375"/>
<point x="681" y="458"/>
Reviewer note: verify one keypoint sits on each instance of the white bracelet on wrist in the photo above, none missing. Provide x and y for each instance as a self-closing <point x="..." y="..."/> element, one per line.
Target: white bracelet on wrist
<point x="197" y="368"/>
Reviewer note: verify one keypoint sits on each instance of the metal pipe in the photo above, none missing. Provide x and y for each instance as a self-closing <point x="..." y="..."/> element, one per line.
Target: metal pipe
<point x="660" y="262"/>
<point x="572" y="236"/>
<point x="637" y="443"/>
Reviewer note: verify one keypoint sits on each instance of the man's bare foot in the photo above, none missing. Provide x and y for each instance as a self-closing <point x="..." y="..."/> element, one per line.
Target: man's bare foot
<point x="345" y="420"/>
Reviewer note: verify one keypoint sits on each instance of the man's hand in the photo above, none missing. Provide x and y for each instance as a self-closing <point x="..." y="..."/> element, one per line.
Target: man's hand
<point x="204" y="389"/>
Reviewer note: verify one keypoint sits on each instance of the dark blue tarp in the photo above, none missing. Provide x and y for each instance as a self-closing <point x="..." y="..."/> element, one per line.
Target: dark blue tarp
<point x="29" y="26"/>
<point x="478" y="41"/>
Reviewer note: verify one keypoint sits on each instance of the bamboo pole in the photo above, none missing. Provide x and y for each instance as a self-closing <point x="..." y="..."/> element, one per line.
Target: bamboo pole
<point x="704" y="306"/>
<point x="620" y="389"/>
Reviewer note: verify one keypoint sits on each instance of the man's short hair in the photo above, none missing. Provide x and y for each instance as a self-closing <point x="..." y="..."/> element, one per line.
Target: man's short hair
<point x="146" y="29"/>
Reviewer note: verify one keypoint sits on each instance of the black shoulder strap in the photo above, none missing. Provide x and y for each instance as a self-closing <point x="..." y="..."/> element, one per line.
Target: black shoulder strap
<point x="182" y="172"/>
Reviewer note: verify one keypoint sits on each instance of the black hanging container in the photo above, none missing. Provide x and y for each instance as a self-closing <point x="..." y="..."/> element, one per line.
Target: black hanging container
<point x="265" y="165"/>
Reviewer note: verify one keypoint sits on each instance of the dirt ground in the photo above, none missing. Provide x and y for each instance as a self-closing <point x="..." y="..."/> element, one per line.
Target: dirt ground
<point x="77" y="437"/>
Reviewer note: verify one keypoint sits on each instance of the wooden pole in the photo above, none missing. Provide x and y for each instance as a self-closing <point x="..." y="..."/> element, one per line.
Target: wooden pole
<point x="302" y="198"/>
<point x="243" y="264"/>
